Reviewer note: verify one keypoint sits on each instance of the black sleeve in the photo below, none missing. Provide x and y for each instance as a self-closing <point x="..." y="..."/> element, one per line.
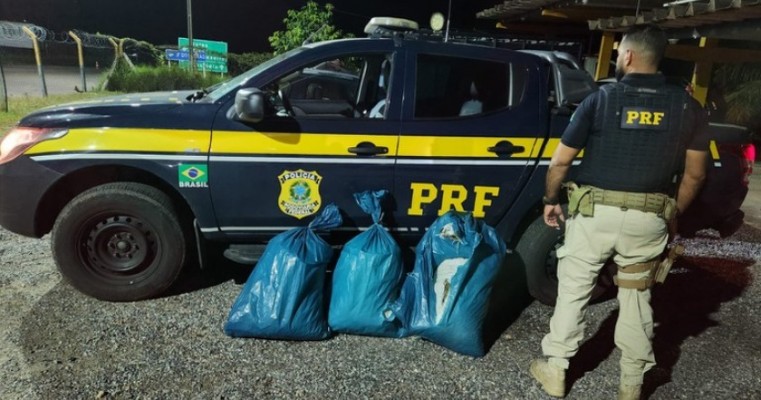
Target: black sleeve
<point x="698" y="120"/>
<point x="582" y="120"/>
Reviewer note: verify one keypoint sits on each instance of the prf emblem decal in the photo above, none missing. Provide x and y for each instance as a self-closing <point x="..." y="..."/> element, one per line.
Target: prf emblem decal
<point x="299" y="193"/>
<point x="644" y="118"/>
<point x="193" y="176"/>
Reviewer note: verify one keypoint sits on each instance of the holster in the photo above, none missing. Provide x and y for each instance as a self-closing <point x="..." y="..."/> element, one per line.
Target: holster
<point x="580" y="200"/>
<point x="639" y="284"/>
<point x="665" y="266"/>
<point x="658" y="268"/>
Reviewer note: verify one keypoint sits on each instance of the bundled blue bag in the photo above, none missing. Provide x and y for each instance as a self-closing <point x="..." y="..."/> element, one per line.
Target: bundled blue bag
<point x="446" y="296"/>
<point x="283" y="297"/>
<point x="367" y="277"/>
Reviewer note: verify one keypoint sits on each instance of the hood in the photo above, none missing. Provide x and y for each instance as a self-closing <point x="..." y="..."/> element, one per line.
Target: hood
<point x="104" y="107"/>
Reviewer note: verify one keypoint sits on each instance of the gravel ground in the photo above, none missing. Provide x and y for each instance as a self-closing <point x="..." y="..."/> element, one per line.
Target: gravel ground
<point x="56" y="343"/>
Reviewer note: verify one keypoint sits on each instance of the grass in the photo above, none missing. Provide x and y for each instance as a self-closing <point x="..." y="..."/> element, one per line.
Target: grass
<point x="154" y="79"/>
<point x="19" y="106"/>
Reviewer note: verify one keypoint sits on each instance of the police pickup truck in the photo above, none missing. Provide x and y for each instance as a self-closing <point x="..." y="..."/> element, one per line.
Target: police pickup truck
<point x="132" y="187"/>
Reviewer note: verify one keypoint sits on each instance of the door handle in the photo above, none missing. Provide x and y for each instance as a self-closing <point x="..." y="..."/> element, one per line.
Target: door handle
<point x="368" y="149"/>
<point x="505" y="148"/>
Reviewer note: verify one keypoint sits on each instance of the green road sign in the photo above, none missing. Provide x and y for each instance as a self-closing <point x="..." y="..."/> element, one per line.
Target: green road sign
<point x="216" y="54"/>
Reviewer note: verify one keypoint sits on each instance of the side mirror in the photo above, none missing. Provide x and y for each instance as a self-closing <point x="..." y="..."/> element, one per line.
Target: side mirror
<point x="249" y="105"/>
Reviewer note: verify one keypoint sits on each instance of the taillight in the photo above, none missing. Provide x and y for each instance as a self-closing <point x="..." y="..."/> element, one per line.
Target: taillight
<point x="749" y="157"/>
<point x="20" y="139"/>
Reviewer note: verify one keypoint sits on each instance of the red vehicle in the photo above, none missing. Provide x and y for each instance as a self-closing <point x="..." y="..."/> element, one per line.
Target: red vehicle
<point x="718" y="204"/>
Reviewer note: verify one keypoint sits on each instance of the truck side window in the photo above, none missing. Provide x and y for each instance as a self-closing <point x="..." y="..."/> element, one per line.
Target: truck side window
<point x="340" y="87"/>
<point x="453" y="87"/>
<point x="575" y="85"/>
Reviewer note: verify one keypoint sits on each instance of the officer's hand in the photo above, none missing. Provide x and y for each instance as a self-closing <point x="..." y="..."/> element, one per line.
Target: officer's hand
<point x="553" y="216"/>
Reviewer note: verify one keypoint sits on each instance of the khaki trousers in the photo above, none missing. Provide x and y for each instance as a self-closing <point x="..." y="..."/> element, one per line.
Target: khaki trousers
<point x="629" y="237"/>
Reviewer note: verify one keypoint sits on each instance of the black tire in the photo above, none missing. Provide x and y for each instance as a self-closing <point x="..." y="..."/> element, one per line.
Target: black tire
<point x="536" y="250"/>
<point x="119" y="242"/>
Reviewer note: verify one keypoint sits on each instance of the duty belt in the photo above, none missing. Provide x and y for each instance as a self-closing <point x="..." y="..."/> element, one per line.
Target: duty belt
<point x="647" y="202"/>
<point x="582" y="199"/>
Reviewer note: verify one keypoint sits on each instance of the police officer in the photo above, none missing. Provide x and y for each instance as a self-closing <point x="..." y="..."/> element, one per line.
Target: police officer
<point x="644" y="142"/>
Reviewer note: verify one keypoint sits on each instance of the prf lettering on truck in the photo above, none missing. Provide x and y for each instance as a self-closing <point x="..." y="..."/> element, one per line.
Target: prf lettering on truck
<point x="453" y="197"/>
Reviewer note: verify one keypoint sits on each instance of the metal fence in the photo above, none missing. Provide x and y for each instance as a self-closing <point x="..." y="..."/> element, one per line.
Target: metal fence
<point x="3" y="89"/>
<point x="12" y="35"/>
<point x="26" y="47"/>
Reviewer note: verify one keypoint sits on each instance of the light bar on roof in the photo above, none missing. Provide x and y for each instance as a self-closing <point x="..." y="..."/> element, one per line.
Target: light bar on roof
<point x="395" y="24"/>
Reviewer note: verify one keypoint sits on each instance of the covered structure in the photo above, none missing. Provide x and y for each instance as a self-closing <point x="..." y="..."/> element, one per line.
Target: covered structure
<point x="701" y="21"/>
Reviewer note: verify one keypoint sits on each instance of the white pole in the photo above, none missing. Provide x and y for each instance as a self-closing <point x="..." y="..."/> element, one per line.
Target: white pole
<point x="449" y="17"/>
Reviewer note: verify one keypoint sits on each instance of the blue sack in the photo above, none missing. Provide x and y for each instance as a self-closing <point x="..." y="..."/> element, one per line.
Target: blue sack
<point x="367" y="277"/>
<point x="446" y="296"/>
<point x="283" y="297"/>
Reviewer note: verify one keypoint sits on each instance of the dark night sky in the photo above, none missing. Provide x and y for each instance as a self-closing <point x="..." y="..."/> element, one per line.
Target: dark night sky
<point x="244" y="24"/>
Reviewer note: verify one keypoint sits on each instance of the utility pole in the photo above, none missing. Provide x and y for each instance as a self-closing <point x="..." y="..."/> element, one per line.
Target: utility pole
<point x="191" y="54"/>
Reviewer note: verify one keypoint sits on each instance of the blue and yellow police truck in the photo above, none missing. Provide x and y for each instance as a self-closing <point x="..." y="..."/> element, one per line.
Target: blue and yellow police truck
<point x="133" y="187"/>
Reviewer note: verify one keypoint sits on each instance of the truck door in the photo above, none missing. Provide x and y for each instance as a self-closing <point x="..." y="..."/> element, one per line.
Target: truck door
<point x="474" y="125"/>
<point x="316" y="145"/>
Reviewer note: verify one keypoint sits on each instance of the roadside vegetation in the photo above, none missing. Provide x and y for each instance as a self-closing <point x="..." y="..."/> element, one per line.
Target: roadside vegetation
<point x="18" y="107"/>
<point x="240" y="63"/>
<point x="310" y="23"/>
<point x="740" y="88"/>
<point x="152" y="79"/>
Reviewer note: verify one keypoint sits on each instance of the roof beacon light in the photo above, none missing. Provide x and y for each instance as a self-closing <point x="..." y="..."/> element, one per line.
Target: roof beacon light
<point x="437" y="21"/>
<point x="390" y="23"/>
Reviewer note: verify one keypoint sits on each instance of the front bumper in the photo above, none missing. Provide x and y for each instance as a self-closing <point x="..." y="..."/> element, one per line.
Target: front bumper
<point x="23" y="183"/>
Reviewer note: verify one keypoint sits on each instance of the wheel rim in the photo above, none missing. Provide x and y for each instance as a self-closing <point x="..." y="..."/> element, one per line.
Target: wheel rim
<point x="119" y="246"/>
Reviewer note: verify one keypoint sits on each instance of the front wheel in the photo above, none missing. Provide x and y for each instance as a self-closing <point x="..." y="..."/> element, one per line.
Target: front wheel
<point x="119" y="242"/>
<point x="537" y="251"/>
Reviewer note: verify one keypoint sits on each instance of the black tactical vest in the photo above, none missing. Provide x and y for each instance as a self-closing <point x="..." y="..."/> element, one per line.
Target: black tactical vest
<point x="638" y="141"/>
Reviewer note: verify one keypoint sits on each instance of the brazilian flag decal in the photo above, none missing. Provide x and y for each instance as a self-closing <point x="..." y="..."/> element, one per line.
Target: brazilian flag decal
<point x="193" y="176"/>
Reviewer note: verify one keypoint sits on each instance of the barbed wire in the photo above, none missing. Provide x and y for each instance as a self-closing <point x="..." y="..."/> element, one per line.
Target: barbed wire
<point x="91" y="40"/>
<point x="13" y="32"/>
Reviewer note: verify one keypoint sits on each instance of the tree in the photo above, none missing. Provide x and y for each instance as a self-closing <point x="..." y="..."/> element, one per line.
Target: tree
<point x="311" y="22"/>
<point x="240" y="63"/>
<point x="742" y="85"/>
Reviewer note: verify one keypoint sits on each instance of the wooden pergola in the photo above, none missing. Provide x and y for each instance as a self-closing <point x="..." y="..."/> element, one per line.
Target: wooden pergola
<point x="706" y="20"/>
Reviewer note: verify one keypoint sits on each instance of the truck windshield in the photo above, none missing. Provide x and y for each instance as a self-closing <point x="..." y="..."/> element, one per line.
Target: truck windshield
<point x="219" y="90"/>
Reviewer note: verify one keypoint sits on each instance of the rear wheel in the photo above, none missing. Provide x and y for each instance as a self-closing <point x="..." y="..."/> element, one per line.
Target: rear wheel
<point x="119" y="242"/>
<point x="537" y="251"/>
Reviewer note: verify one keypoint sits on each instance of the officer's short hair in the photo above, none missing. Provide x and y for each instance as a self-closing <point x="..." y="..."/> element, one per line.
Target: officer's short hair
<point x="648" y="38"/>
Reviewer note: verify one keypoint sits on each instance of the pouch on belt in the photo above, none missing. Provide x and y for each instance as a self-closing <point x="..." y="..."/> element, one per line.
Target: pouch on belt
<point x="669" y="209"/>
<point x="580" y="200"/>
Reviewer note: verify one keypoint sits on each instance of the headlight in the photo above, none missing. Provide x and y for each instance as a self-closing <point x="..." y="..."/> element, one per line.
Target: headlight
<point x="20" y="139"/>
